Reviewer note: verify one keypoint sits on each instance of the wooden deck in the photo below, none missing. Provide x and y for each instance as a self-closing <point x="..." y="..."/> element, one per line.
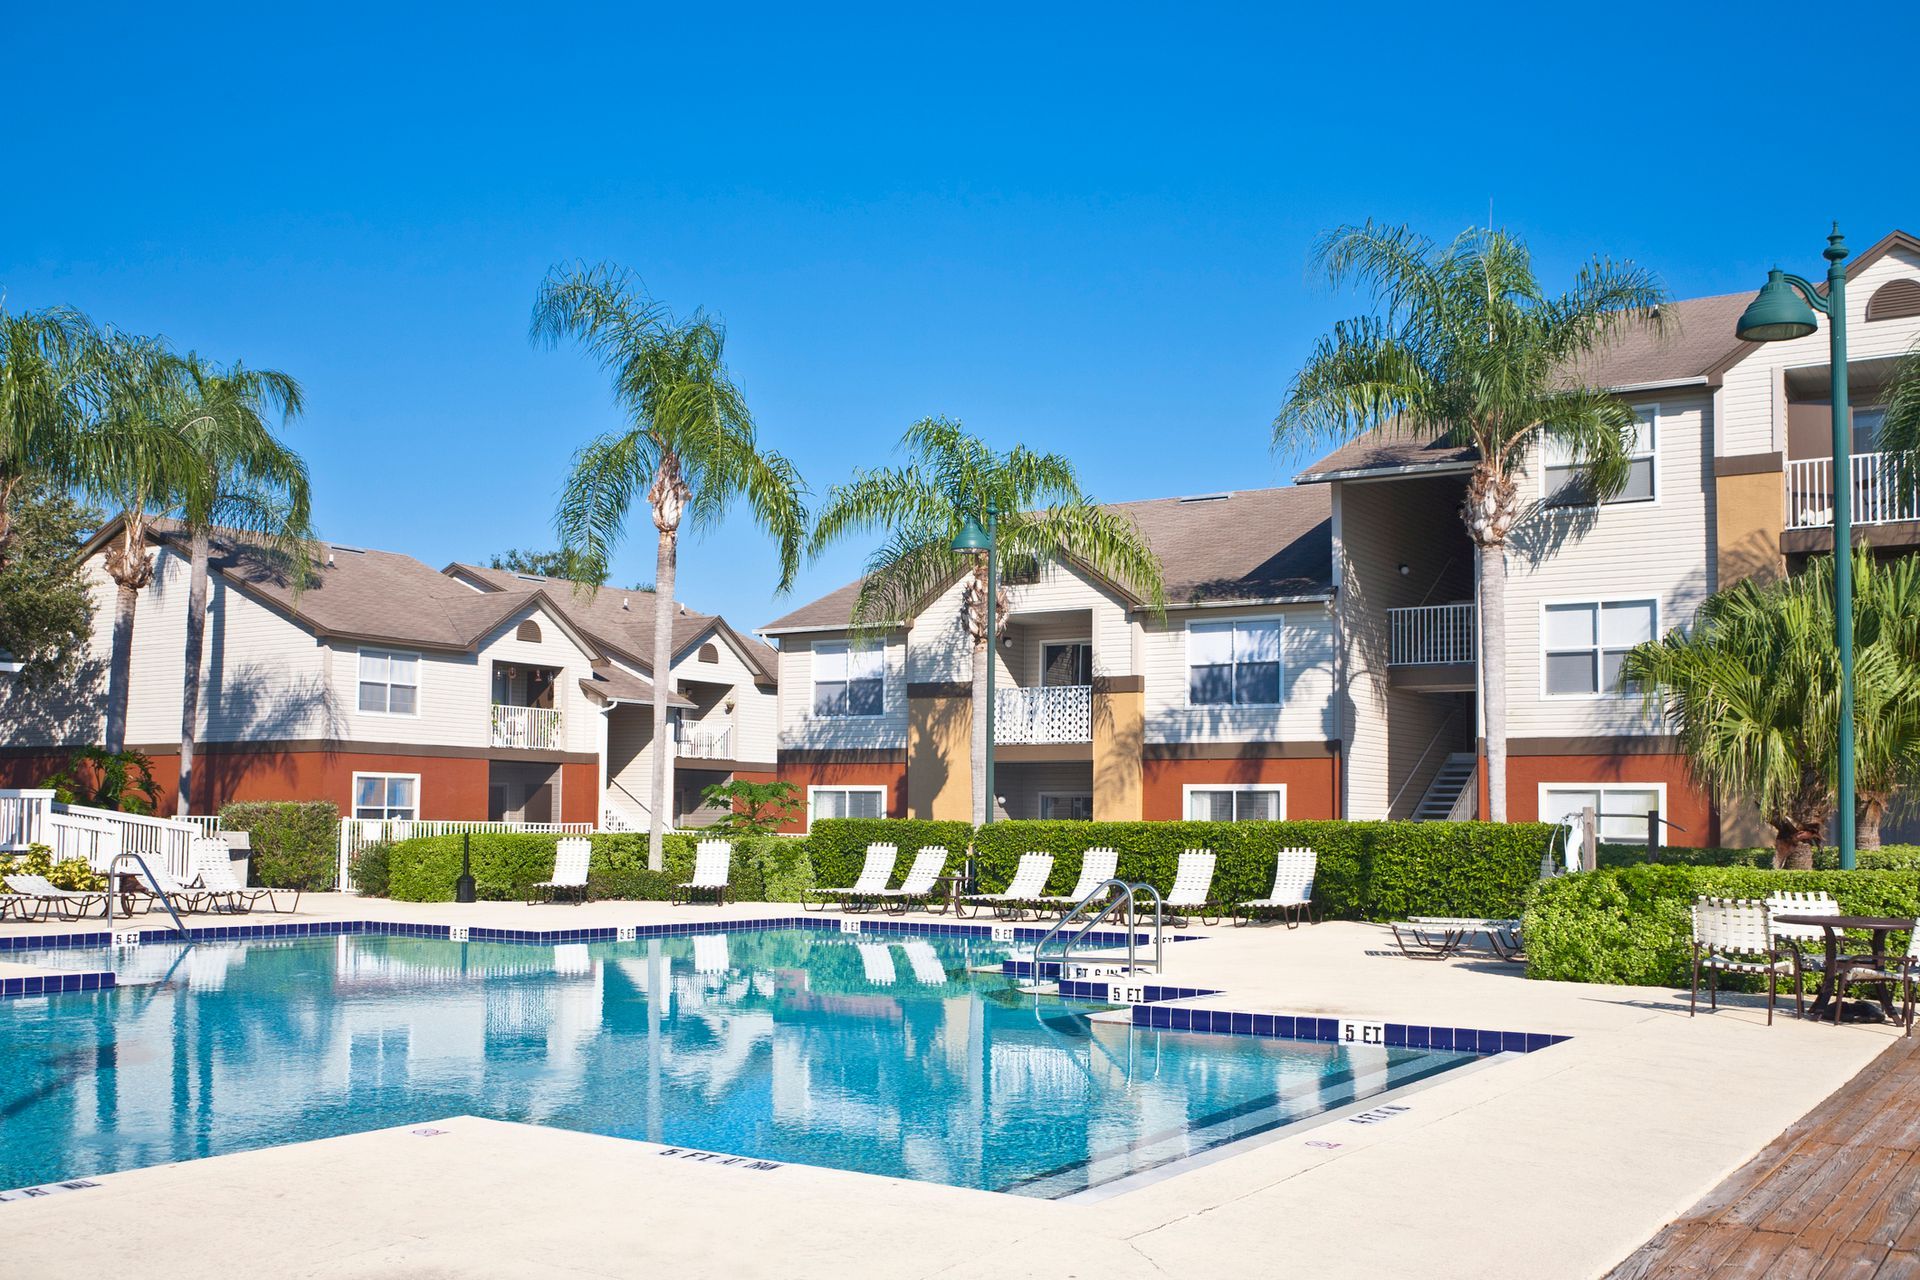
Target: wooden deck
<point x="1837" y="1194"/>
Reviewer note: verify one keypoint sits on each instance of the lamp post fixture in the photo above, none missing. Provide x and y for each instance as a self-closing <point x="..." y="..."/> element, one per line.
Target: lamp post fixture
<point x="973" y="538"/>
<point x="1785" y="311"/>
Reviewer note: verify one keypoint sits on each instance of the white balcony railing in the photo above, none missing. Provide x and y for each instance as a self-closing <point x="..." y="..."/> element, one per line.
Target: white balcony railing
<point x="1047" y="713"/>
<point x="530" y="728"/>
<point x="1430" y="635"/>
<point x="700" y="744"/>
<point x="1879" y="496"/>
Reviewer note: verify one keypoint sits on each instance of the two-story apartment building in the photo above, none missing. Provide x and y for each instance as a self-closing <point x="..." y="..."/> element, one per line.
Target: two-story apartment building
<point x="1317" y="656"/>
<point x="401" y="691"/>
<point x="1106" y="709"/>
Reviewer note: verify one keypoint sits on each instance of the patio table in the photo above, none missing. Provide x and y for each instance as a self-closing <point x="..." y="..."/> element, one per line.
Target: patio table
<point x="1833" y="927"/>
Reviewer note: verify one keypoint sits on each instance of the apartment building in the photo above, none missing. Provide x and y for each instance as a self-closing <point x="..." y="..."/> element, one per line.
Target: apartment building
<point x="404" y="692"/>
<point x="1318" y="657"/>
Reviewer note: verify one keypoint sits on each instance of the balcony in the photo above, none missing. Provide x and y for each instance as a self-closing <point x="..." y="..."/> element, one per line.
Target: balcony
<point x="527" y="728"/>
<point x="702" y="745"/>
<point x="1873" y="481"/>
<point x="1431" y="647"/>
<point x="1043" y="714"/>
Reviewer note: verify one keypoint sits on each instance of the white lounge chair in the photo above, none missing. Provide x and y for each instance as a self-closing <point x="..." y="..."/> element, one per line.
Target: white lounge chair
<point x="872" y="879"/>
<point x="877" y="959"/>
<point x="917" y="887"/>
<point x="712" y="865"/>
<point x="213" y="872"/>
<point x="72" y="904"/>
<point x="1292" y="893"/>
<point x="185" y="897"/>
<point x="1023" y="893"/>
<point x="1735" y="935"/>
<point x="1192" y="888"/>
<point x="570" y="859"/>
<point x="927" y="965"/>
<point x="1437" y="937"/>
<point x="1097" y="866"/>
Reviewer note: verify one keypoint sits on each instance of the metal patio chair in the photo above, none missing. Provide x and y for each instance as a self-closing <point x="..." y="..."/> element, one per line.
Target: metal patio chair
<point x="1735" y="935"/>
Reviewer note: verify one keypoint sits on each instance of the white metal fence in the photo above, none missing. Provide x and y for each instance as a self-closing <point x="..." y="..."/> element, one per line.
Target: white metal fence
<point x="76" y="831"/>
<point x="1874" y="483"/>
<point x="530" y="728"/>
<point x="1430" y="635"/>
<point x="1044" y="713"/>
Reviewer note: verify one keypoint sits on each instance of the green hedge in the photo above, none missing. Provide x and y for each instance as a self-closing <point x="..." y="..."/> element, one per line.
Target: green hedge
<point x="295" y="844"/>
<point x="1365" y="870"/>
<point x="1630" y="925"/>
<point x="765" y="868"/>
<point x="1893" y="857"/>
<point x="837" y="847"/>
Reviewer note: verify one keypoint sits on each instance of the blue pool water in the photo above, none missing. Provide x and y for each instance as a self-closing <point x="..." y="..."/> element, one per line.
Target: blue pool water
<point x="878" y="1054"/>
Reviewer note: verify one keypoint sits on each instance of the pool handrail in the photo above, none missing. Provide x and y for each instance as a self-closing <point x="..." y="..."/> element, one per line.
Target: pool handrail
<point x="1123" y="894"/>
<point x="153" y="887"/>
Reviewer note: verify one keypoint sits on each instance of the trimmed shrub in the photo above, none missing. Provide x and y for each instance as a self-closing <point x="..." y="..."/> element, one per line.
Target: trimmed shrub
<point x="837" y="847"/>
<point x="295" y="844"/>
<point x="73" y="873"/>
<point x="1630" y="925"/>
<point x="506" y="864"/>
<point x="1365" y="870"/>
<point x="1892" y="857"/>
<point x="371" y="869"/>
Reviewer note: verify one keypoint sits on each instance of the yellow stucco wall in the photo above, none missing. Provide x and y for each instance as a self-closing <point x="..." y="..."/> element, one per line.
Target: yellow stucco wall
<point x="1749" y="519"/>
<point x="940" y="758"/>
<point x="1119" y="721"/>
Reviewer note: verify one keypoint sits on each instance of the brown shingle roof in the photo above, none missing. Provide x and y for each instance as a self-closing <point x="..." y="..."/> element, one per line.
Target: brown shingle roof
<point x="612" y="684"/>
<point x="1696" y="343"/>
<point x="1250" y="544"/>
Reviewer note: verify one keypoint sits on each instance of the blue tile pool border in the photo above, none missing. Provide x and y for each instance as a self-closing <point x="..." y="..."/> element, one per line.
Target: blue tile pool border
<point x="53" y="984"/>
<point x="1280" y="1026"/>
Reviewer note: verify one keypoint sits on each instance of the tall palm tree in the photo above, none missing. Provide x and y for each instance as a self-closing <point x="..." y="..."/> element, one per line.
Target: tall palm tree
<point x="240" y="475"/>
<point x="44" y="399"/>
<point x="1752" y="691"/>
<point x="1465" y="345"/>
<point x="690" y="446"/>
<point x="949" y="477"/>
<point x="129" y="458"/>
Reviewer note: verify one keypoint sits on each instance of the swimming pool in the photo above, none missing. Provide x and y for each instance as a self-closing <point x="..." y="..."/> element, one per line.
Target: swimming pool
<point x="875" y="1053"/>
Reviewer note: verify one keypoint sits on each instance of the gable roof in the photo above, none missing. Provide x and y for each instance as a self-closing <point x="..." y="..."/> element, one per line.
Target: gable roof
<point x="1246" y="545"/>
<point x="619" y="621"/>
<point x="1697" y="348"/>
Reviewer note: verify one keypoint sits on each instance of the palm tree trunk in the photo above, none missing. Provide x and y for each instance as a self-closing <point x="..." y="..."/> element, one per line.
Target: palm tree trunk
<point x="663" y="571"/>
<point x="190" y="683"/>
<point x="1867" y="817"/>
<point x="120" y="666"/>
<point x="1493" y="674"/>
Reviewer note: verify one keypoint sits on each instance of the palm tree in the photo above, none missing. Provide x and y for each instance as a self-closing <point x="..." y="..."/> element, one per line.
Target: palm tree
<point x="1467" y="346"/>
<point x="43" y="399"/>
<point x="951" y="476"/>
<point x="240" y="476"/>
<point x="128" y="457"/>
<point x="689" y="446"/>
<point x="1752" y="691"/>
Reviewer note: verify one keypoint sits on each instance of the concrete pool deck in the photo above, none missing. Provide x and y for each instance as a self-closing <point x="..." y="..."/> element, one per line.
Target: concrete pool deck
<point x="1555" y="1163"/>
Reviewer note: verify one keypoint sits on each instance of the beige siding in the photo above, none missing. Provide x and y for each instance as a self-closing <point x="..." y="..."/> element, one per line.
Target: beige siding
<point x="1662" y="550"/>
<point x="1062" y="604"/>
<point x="1755" y="420"/>
<point x="1020" y="786"/>
<point x="754" y="718"/>
<point x="1306" y="711"/>
<point x="630" y="763"/>
<point x="801" y="730"/>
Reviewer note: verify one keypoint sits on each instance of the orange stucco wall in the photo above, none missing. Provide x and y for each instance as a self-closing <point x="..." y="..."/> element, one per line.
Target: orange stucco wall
<point x="1313" y="785"/>
<point x="1687" y="805"/>
<point x="804" y="774"/>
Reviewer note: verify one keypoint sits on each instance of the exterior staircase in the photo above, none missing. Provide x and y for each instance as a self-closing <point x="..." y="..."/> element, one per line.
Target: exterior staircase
<point x="1450" y="792"/>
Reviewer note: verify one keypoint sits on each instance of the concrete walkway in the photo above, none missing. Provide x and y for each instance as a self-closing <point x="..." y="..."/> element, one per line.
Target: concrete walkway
<point x="1558" y="1163"/>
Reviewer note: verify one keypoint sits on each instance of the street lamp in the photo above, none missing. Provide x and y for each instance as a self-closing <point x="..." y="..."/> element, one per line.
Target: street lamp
<point x="973" y="538"/>
<point x="1784" y="311"/>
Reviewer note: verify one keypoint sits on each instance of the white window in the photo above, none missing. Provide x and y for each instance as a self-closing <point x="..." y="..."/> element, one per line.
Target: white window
<point x="387" y="796"/>
<point x="1233" y="663"/>
<point x="1066" y="663"/>
<point x="1622" y="809"/>
<point x="1583" y="645"/>
<point x="389" y="682"/>
<point x="1249" y="802"/>
<point x="1066" y="808"/>
<point x="1564" y="488"/>
<point x="848" y="681"/>
<point x="846" y="802"/>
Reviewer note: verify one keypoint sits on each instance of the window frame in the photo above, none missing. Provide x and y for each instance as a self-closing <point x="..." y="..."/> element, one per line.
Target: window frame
<point x="1658" y="788"/>
<point x="878" y="788"/>
<point x="1187" y="791"/>
<point x="353" y="795"/>
<point x="1040" y="659"/>
<point x="1277" y="620"/>
<point x="1045" y="796"/>
<point x="847" y="648"/>
<point x="359" y="678"/>
<point x="1652" y="414"/>
<point x="1599" y="649"/>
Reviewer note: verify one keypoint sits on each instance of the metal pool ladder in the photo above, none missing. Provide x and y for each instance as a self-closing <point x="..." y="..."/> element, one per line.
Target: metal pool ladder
<point x="1123" y="895"/>
<point x="153" y="883"/>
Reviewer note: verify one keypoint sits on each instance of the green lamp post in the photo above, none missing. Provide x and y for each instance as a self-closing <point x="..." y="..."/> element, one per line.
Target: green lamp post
<point x="973" y="538"/>
<point x="1784" y="311"/>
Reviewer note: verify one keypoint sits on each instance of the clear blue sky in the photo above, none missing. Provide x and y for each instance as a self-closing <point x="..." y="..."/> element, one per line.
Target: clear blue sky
<point x="1084" y="228"/>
